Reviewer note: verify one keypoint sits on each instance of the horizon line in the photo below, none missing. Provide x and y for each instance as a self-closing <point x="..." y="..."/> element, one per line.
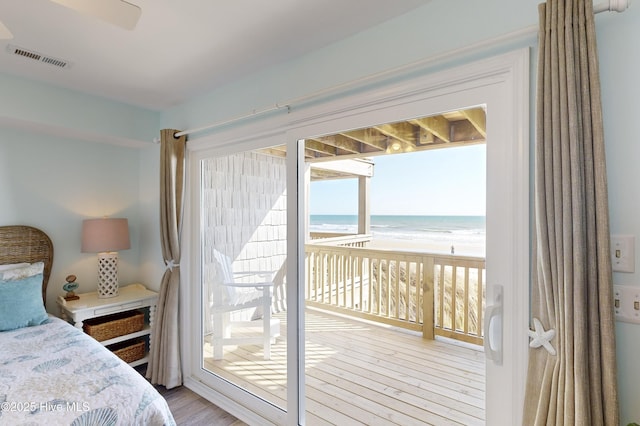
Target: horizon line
<point x="397" y="214"/>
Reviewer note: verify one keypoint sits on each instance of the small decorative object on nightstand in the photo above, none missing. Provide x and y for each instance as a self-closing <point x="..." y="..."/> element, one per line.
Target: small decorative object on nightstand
<point x="132" y="302"/>
<point x="70" y="287"/>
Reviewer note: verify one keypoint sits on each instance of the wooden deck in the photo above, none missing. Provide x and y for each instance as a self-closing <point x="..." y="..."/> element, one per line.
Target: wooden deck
<point x="363" y="373"/>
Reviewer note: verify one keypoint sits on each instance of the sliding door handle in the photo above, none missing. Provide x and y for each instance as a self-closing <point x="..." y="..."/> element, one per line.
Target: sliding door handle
<point x="493" y="327"/>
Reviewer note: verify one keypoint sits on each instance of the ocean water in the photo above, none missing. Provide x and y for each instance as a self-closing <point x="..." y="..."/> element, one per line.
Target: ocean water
<point x="466" y="234"/>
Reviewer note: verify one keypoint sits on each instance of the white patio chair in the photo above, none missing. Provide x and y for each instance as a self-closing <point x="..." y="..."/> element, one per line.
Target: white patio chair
<point x="235" y="292"/>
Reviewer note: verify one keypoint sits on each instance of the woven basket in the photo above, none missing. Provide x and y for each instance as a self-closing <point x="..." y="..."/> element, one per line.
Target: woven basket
<point x="110" y="326"/>
<point x="129" y="351"/>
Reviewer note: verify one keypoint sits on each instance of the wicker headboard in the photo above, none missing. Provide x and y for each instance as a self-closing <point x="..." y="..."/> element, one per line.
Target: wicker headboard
<point x="27" y="244"/>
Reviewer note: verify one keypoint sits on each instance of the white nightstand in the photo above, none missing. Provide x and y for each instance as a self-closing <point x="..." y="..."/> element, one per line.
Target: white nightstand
<point x="133" y="296"/>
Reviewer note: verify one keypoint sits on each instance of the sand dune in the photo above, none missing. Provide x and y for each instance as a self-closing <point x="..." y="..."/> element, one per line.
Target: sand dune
<point x="423" y="246"/>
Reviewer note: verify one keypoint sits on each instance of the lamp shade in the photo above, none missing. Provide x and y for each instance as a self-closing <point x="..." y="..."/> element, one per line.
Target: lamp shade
<point x="105" y="235"/>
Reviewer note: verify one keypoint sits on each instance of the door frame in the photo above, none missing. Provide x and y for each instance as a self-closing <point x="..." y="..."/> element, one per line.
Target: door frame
<point x="502" y="83"/>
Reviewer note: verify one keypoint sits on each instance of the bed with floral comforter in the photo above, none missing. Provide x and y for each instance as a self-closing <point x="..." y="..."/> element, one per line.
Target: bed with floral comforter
<point x="54" y="374"/>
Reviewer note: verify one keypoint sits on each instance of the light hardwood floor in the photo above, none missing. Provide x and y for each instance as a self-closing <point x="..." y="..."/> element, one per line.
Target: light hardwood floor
<point x="363" y="373"/>
<point x="190" y="409"/>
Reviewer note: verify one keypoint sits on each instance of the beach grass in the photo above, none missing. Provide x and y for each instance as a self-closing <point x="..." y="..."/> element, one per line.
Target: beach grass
<point x="395" y="299"/>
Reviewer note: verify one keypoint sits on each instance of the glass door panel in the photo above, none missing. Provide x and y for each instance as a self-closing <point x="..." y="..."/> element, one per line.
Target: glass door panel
<point x="243" y="253"/>
<point x="395" y="274"/>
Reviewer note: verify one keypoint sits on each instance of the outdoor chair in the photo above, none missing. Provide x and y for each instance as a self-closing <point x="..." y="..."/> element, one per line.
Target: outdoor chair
<point x="239" y="291"/>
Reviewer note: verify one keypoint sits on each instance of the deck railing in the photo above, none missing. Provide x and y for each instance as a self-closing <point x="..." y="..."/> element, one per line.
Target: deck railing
<point x="432" y="293"/>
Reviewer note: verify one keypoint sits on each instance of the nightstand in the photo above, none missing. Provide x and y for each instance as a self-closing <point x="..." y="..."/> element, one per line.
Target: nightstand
<point x="130" y="297"/>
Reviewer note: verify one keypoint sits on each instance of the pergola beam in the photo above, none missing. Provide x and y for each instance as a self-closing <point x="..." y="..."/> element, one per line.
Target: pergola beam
<point x="368" y="137"/>
<point x="477" y="117"/>
<point x="403" y="132"/>
<point x="437" y="125"/>
<point x="351" y="168"/>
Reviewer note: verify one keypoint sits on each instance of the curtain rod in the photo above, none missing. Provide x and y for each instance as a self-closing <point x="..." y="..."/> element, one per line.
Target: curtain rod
<point x="607" y="6"/>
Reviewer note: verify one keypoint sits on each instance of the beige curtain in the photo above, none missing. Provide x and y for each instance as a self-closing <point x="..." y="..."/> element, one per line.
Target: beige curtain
<point x="164" y="359"/>
<point x="572" y="294"/>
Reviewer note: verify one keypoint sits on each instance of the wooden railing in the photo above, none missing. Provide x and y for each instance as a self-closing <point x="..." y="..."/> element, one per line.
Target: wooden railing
<point x="431" y="293"/>
<point x="459" y="298"/>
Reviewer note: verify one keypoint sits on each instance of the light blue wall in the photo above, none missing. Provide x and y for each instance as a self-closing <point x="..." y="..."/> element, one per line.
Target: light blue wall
<point x="151" y="264"/>
<point x="444" y="25"/>
<point x="63" y="111"/>
<point x="619" y="71"/>
<point x="54" y="183"/>
<point x="66" y="156"/>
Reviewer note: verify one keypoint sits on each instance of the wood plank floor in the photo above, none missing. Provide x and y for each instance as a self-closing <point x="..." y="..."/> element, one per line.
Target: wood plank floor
<point x="364" y="373"/>
<point x="190" y="409"/>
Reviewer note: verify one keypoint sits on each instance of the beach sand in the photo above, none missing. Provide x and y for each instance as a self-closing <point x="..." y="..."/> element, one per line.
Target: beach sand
<point x="422" y="246"/>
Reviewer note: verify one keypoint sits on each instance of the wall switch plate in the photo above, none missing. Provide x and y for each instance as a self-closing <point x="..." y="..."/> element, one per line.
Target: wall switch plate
<point x="623" y="253"/>
<point x="626" y="302"/>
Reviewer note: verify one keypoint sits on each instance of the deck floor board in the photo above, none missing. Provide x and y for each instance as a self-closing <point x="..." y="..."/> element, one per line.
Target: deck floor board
<point x="363" y="373"/>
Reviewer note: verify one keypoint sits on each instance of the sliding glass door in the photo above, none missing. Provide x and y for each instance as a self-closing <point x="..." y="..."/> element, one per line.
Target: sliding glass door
<point x="253" y="277"/>
<point x="243" y="254"/>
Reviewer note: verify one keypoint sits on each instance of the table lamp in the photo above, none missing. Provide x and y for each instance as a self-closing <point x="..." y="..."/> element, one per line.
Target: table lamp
<point x="106" y="236"/>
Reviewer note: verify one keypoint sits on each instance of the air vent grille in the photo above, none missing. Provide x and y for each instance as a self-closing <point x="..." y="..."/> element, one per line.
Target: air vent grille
<point x="31" y="54"/>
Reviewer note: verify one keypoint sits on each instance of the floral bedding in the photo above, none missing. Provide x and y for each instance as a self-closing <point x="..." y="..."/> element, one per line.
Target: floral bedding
<point x="54" y="374"/>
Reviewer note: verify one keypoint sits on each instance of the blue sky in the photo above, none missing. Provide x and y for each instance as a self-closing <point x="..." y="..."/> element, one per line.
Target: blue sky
<point x="447" y="181"/>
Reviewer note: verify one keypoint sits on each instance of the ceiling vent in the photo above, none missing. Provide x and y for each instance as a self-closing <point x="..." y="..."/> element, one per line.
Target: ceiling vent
<point x="31" y="54"/>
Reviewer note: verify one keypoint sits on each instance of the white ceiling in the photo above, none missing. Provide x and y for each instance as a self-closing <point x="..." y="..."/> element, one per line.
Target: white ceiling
<point x="179" y="48"/>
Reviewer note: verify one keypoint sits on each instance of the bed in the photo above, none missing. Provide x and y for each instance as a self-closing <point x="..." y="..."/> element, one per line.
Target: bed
<point x="51" y="372"/>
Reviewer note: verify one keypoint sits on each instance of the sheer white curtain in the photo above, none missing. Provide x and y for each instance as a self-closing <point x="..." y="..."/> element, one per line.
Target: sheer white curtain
<point x="572" y="362"/>
<point x="164" y="359"/>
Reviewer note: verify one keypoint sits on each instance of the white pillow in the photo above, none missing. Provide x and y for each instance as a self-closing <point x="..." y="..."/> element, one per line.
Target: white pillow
<point x="22" y="272"/>
<point x="13" y="266"/>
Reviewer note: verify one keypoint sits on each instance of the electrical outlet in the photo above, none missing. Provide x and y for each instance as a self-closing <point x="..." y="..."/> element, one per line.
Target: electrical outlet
<point x="626" y="301"/>
<point x="623" y="253"/>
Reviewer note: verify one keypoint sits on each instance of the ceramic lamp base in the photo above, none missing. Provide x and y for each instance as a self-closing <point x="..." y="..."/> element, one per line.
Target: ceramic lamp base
<point x="107" y="275"/>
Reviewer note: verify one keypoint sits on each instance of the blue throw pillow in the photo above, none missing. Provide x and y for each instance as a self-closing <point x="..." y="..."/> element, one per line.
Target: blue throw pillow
<point x="21" y="303"/>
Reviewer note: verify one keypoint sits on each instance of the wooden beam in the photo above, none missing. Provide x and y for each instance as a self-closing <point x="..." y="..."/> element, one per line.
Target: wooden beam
<point x="426" y="137"/>
<point x="437" y="144"/>
<point x="404" y="132"/>
<point x="281" y="151"/>
<point x="341" y="142"/>
<point x="463" y="130"/>
<point x="477" y="117"/>
<point x="351" y="167"/>
<point x="368" y="137"/>
<point x="321" y="175"/>
<point x="274" y="152"/>
<point x="314" y="145"/>
<point x="438" y="125"/>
